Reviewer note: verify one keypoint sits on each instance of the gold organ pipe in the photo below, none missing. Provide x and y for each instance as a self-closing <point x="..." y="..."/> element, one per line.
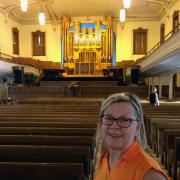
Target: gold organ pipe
<point x="110" y="47"/>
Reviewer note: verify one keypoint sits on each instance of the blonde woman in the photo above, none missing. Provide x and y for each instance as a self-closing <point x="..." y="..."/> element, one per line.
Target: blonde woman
<point x="122" y="129"/>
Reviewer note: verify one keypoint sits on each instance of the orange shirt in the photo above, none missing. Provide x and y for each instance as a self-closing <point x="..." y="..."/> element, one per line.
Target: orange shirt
<point x="133" y="165"/>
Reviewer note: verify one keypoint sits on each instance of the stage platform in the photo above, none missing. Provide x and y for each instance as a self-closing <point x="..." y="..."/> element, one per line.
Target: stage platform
<point x="58" y="75"/>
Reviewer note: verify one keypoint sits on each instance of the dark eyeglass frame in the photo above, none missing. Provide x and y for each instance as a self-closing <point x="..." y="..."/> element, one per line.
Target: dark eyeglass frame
<point x="116" y="119"/>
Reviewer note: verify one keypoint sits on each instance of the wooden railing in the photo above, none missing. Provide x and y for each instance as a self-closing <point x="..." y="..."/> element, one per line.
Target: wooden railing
<point x="21" y="92"/>
<point x="166" y="37"/>
<point x="21" y="60"/>
<point x="29" y="61"/>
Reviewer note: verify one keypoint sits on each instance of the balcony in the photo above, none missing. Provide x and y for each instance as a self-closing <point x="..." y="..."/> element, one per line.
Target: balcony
<point x="163" y="58"/>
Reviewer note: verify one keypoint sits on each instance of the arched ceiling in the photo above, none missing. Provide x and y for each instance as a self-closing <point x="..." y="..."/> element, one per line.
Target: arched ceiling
<point x="55" y="9"/>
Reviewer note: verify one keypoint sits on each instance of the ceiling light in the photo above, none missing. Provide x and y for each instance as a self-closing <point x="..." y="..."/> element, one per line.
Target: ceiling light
<point x="126" y="3"/>
<point x="41" y="18"/>
<point x="122" y="15"/>
<point x="24" y="5"/>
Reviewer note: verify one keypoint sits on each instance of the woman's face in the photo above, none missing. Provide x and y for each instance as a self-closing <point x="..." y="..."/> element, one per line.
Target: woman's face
<point x="115" y="136"/>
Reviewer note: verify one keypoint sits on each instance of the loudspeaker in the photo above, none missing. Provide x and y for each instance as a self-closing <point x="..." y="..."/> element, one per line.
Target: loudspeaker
<point x="51" y="73"/>
<point x="18" y="75"/>
<point x="134" y="76"/>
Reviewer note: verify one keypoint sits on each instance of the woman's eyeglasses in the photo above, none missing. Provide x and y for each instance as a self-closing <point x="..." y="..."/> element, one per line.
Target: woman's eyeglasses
<point x="122" y="121"/>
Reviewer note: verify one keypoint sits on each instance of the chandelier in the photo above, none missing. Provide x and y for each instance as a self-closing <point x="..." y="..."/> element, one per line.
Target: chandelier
<point x="41" y="17"/>
<point x="24" y="5"/>
<point x="122" y="12"/>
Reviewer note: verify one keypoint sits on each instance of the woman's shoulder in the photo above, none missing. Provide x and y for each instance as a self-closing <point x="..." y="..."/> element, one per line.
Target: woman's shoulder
<point x="148" y="168"/>
<point x="153" y="174"/>
<point x="146" y="160"/>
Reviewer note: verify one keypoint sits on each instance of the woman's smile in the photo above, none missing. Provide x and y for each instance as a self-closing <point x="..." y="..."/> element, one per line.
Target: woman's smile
<point x="114" y="135"/>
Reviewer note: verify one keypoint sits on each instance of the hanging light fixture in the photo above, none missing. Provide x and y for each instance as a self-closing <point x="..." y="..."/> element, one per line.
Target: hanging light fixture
<point x="122" y="15"/>
<point x="41" y="18"/>
<point x="126" y="4"/>
<point x="24" y="5"/>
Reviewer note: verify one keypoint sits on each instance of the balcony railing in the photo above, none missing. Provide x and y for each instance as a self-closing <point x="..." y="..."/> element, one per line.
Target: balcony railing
<point x="170" y="43"/>
<point x="166" y="37"/>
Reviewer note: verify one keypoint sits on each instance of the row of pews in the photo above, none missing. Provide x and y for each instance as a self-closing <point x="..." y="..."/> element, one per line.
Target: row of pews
<point x="163" y="133"/>
<point x="48" y="142"/>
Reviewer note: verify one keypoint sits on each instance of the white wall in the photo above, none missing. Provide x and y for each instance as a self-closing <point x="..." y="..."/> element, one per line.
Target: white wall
<point x="53" y="45"/>
<point x="178" y="79"/>
<point x="6" y="25"/>
<point x="52" y="38"/>
<point x="125" y="38"/>
<point x="163" y="80"/>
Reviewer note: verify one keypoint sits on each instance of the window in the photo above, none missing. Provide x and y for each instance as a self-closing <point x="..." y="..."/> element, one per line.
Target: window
<point x="162" y="32"/>
<point x="140" y="41"/>
<point x="38" y="41"/>
<point x="15" y="40"/>
<point x="175" y="21"/>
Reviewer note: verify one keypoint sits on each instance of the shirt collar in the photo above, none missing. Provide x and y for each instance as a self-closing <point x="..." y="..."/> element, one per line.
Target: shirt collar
<point x="130" y="153"/>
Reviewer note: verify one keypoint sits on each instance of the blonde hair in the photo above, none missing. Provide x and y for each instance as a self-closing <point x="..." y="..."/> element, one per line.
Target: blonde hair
<point x="135" y="102"/>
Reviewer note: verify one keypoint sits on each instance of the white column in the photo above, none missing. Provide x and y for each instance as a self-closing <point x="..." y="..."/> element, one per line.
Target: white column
<point x="171" y="86"/>
<point x="160" y="88"/>
<point x="152" y="82"/>
<point x="149" y="86"/>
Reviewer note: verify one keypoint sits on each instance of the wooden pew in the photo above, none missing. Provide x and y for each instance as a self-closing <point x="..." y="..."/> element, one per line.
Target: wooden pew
<point x="162" y="127"/>
<point x="176" y="155"/>
<point x="43" y="123"/>
<point x="50" y="119"/>
<point x="150" y="119"/>
<point x="47" y="131"/>
<point x="151" y="129"/>
<point x="158" y="138"/>
<point x="50" y="110"/>
<point x="41" y="171"/>
<point x="174" y="162"/>
<point x="169" y="135"/>
<point x="50" y="124"/>
<point x="53" y="115"/>
<point x="37" y="108"/>
<point x="47" y="140"/>
<point x="47" y="154"/>
<point x="70" y="106"/>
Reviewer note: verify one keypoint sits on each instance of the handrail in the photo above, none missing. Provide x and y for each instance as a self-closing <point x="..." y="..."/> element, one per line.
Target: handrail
<point x="166" y="37"/>
<point x="18" y="60"/>
<point x="36" y="63"/>
<point x="4" y="56"/>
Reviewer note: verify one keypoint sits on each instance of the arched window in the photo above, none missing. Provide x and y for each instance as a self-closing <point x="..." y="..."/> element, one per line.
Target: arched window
<point x="162" y="33"/>
<point x="15" y="40"/>
<point x="38" y="41"/>
<point x="140" y="41"/>
<point x="175" y="21"/>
